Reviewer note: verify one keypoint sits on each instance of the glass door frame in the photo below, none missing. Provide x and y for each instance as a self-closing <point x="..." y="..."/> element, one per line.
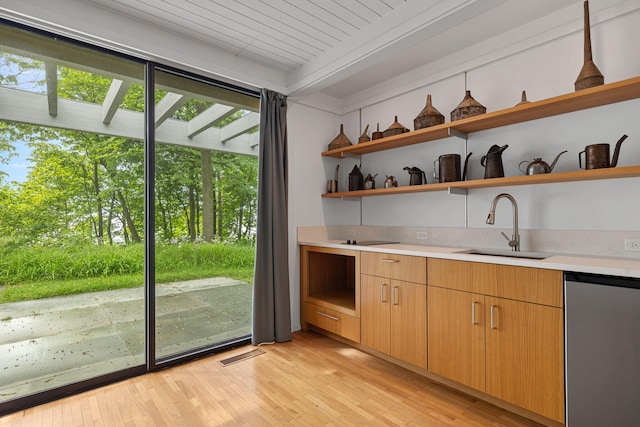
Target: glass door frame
<point x="151" y="363"/>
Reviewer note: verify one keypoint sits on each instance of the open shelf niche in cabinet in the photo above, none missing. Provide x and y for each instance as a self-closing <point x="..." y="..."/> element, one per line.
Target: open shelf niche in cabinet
<point x="588" y="98"/>
<point x="330" y="278"/>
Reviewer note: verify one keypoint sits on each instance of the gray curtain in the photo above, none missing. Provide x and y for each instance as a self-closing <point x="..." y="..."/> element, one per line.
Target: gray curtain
<point x="271" y="318"/>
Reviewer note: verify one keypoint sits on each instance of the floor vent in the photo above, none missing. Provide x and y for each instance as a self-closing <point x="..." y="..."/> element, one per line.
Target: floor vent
<point x="241" y="357"/>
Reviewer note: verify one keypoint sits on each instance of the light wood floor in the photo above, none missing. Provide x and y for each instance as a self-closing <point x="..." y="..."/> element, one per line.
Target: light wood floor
<point x="311" y="381"/>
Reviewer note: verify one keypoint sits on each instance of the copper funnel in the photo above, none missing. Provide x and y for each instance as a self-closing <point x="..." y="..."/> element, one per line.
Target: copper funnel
<point x="429" y="116"/>
<point x="523" y="99"/>
<point x="340" y="141"/>
<point x="469" y="107"/>
<point x="589" y="76"/>
<point x="364" y="137"/>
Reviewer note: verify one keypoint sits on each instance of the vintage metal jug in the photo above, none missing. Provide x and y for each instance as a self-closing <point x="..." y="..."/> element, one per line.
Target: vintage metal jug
<point x="538" y="166"/>
<point x="416" y="176"/>
<point x="448" y="169"/>
<point x="370" y="182"/>
<point x="356" y="181"/>
<point x="492" y="162"/>
<point x="597" y="155"/>
<point x="391" y="181"/>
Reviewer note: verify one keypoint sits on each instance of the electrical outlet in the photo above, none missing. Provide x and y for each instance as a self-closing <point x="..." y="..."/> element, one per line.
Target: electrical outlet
<point x="351" y="232"/>
<point x="632" y="245"/>
<point x="421" y="235"/>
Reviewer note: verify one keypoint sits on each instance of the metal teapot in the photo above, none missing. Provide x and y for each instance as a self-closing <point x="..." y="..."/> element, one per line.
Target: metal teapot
<point x="416" y="176"/>
<point x="492" y="162"/>
<point x="539" y="166"/>
<point x="391" y="181"/>
<point x="370" y="182"/>
<point x="597" y="155"/>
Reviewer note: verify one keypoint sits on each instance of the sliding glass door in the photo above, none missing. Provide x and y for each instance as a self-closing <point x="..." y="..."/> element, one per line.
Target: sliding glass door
<point x="126" y="232"/>
<point x="71" y="213"/>
<point x="205" y="213"/>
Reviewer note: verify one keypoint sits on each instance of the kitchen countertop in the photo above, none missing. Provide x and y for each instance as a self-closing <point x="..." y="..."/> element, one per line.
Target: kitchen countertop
<point x="626" y="267"/>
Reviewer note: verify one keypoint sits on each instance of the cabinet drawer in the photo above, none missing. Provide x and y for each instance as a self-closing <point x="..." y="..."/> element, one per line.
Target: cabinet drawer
<point x="332" y="321"/>
<point x="452" y="274"/>
<point x="528" y="284"/>
<point x="401" y="267"/>
<point x="535" y="285"/>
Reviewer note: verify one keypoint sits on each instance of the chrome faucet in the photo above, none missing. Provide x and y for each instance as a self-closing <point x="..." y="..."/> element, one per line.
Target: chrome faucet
<point x="514" y="242"/>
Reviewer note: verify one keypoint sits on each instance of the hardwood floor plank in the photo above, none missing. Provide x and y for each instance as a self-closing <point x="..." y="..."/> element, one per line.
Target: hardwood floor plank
<point x="310" y="381"/>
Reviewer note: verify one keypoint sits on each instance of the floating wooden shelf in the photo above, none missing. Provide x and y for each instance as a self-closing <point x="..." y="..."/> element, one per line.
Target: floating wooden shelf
<point x="593" y="97"/>
<point x="581" y="175"/>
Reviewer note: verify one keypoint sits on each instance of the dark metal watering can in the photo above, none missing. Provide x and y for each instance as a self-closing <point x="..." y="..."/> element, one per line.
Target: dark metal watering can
<point x="492" y="162"/>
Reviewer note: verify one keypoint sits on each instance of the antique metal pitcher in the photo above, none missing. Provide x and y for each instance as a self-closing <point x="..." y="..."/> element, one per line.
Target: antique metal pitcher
<point x="492" y="162"/>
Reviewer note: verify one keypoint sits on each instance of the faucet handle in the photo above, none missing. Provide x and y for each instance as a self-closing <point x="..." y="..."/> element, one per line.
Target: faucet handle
<point x="506" y="237"/>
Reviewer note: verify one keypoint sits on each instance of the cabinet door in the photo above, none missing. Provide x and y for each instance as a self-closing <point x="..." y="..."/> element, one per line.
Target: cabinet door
<point x="456" y="329"/>
<point x="375" y="299"/>
<point x="409" y="322"/>
<point x="524" y="345"/>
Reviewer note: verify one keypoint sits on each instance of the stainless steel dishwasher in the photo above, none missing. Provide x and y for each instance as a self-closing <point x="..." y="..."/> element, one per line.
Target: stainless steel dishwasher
<point x="602" y="350"/>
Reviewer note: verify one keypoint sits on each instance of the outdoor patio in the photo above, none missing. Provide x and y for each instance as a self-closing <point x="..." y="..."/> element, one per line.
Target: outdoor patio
<point x="51" y="342"/>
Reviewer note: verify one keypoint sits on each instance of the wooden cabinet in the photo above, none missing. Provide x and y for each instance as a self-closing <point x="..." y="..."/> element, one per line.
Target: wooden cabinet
<point x="330" y="291"/>
<point x="393" y="306"/>
<point x="332" y="321"/>
<point x="525" y="355"/>
<point x="499" y="329"/>
<point x="456" y="336"/>
<point x="593" y="97"/>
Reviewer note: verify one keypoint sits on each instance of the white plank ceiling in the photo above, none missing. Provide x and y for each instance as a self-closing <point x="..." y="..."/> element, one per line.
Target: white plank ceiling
<point x="284" y="34"/>
<point x="339" y="47"/>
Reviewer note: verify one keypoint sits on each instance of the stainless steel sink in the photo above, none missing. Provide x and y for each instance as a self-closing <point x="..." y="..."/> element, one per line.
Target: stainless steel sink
<point x="511" y="254"/>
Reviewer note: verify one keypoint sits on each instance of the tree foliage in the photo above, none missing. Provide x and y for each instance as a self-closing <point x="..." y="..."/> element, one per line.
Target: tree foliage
<point x="90" y="187"/>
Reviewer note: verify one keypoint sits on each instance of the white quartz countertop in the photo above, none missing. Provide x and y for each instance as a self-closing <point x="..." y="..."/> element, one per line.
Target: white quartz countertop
<point x="626" y="267"/>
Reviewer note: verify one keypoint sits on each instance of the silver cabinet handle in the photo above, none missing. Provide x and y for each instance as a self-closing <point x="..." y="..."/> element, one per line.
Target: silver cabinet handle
<point x="394" y="295"/>
<point x="493" y="323"/>
<point x="383" y="293"/>
<point x="326" y="315"/>
<point x="390" y="260"/>
<point x="473" y="313"/>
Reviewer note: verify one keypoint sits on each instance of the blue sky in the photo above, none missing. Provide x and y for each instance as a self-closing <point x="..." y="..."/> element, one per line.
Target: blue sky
<point x="18" y="166"/>
<point x="30" y="80"/>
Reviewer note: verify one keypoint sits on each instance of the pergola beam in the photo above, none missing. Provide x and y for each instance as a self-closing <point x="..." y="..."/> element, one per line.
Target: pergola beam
<point x="51" y="76"/>
<point x="210" y="117"/>
<point x="168" y="105"/>
<point x="240" y="126"/>
<point x="112" y="101"/>
<point x="32" y="108"/>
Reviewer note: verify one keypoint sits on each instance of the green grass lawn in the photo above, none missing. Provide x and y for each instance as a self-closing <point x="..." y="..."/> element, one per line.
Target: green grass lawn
<point x="28" y="273"/>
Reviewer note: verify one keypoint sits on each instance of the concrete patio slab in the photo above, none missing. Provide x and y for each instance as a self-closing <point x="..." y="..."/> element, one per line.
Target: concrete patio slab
<point x="51" y="342"/>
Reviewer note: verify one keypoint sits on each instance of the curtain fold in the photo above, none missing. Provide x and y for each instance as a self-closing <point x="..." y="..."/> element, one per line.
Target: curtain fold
<point x="271" y="315"/>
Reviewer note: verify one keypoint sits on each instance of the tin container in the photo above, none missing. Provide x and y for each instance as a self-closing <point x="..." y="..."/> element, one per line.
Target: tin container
<point x="377" y="134"/>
